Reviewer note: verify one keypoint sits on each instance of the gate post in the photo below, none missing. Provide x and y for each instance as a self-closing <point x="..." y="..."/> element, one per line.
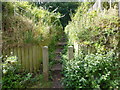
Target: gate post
<point x="45" y="62"/>
<point x="70" y="52"/>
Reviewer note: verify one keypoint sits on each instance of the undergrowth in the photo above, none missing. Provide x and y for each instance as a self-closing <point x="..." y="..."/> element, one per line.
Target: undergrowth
<point x="14" y="77"/>
<point x="92" y="71"/>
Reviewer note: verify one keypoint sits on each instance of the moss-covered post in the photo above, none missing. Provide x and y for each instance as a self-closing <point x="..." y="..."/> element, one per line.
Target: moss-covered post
<point x="70" y="52"/>
<point x="45" y="62"/>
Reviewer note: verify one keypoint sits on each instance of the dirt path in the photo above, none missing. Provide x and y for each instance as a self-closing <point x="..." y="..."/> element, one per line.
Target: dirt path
<point x="57" y="67"/>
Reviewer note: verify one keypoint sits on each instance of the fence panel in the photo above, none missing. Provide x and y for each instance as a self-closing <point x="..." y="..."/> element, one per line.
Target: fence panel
<point x="28" y="56"/>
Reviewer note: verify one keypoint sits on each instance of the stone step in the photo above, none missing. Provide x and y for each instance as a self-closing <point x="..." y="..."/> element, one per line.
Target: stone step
<point x="57" y="85"/>
<point x="57" y="67"/>
<point x="61" y="43"/>
<point x="56" y="75"/>
<point x="57" y="57"/>
<point x="63" y="39"/>
<point x="60" y="47"/>
<point x="56" y="79"/>
<point x="58" y="51"/>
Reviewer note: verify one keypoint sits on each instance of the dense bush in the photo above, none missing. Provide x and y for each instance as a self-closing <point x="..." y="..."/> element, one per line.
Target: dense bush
<point x="92" y="71"/>
<point x="32" y="25"/>
<point x="98" y="29"/>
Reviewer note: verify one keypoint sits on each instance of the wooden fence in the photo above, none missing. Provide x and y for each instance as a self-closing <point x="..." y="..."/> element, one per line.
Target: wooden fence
<point x="29" y="56"/>
<point x="86" y="49"/>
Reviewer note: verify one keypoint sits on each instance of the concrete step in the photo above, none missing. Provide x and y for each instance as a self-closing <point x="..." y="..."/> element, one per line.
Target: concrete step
<point x="57" y="67"/>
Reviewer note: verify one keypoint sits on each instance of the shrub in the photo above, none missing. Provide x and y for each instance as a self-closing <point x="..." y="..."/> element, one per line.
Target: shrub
<point x="98" y="29"/>
<point x="92" y="71"/>
<point x="40" y="26"/>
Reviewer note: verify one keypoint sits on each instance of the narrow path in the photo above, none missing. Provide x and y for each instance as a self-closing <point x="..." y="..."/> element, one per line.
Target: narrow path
<point x="57" y="67"/>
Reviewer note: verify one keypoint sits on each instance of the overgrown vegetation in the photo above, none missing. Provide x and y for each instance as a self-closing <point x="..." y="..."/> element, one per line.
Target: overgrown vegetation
<point x="32" y="25"/>
<point x="29" y="25"/>
<point x="92" y="71"/>
<point x="97" y="29"/>
<point x="64" y="8"/>
<point x="14" y="77"/>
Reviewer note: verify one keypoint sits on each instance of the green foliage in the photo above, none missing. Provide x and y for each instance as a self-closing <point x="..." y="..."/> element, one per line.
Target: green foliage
<point x="92" y="71"/>
<point x="9" y="64"/>
<point x="13" y="80"/>
<point x="37" y="26"/>
<point x="8" y="8"/>
<point x="94" y="28"/>
<point x="38" y="14"/>
<point x="64" y="8"/>
<point x="10" y="69"/>
<point x="14" y="77"/>
<point x="15" y="29"/>
<point x="33" y="25"/>
<point x="38" y="82"/>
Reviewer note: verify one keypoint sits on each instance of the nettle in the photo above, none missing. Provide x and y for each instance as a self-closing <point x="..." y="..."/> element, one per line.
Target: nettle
<point x="92" y="71"/>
